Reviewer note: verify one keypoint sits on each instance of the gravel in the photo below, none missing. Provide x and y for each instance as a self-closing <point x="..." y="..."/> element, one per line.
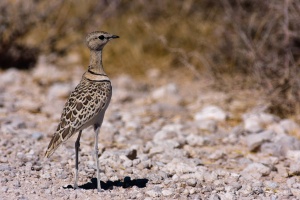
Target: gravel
<point x="159" y="140"/>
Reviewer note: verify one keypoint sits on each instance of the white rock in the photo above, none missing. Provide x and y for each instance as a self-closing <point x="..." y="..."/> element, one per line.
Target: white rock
<point x="218" y="154"/>
<point x="256" y="139"/>
<point x="37" y="135"/>
<point x="290" y="127"/>
<point x="4" y="167"/>
<point x="257" y="168"/>
<point x="255" y="122"/>
<point x="123" y="81"/>
<point x="195" y="140"/>
<point x="191" y="182"/>
<point x="45" y="175"/>
<point x="207" y="125"/>
<point x="211" y="113"/>
<point x="127" y="164"/>
<point x="59" y="90"/>
<point x="214" y="197"/>
<point x="293" y="155"/>
<point x="295" y="168"/>
<point x="210" y="176"/>
<point x="46" y="74"/>
<point x="252" y="124"/>
<point x="163" y="135"/>
<point x="155" y="192"/>
<point x="10" y="76"/>
<point x="168" y="132"/>
<point x="176" y="166"/>
<point x="286" y="143"/>
<point x="296" y="192"/>
<point x="163" y="91"/>
<point x="270" y="184"/>
<point x="29" y="105"/>
<point x="227" y="196"/>
<point x="167" y="192"/>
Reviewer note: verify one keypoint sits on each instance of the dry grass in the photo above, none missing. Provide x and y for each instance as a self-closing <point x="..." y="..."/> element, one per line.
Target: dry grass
<point x="244" y="43"/>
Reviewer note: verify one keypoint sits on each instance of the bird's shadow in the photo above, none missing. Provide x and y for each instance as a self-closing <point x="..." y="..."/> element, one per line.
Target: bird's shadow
<point x="109" y="185"/>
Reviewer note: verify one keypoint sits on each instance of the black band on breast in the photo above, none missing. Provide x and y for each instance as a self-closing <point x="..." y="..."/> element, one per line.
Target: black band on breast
<point x="96" y="73"/>
<point x="108" y="81"/>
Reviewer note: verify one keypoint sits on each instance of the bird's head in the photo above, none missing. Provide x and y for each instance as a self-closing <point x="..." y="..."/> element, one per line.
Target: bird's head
<point x="98" y="39"/>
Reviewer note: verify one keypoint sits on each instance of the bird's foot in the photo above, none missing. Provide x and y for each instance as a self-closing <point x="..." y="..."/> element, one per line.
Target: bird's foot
<point x="76" y="187"/>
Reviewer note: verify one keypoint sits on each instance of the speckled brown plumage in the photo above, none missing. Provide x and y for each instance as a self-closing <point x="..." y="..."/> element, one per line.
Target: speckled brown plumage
<point x="87" y="104"/>
<point x="88" y="99"/>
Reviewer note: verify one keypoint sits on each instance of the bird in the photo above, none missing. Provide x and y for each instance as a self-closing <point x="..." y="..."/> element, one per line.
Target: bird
<point x="87" y="104"/>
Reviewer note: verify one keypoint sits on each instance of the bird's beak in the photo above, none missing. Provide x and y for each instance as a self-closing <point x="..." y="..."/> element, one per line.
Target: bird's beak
<point x="113" y="37"/>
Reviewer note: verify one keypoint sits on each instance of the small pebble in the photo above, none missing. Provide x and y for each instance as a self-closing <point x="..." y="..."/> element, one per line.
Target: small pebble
<point x="191" y="182"/>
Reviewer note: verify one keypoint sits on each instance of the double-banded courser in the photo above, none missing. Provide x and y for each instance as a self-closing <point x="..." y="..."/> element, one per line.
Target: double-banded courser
<point x="87" y="104"/>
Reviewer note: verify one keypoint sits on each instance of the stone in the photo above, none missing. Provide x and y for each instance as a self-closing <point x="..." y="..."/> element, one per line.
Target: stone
<point x="155" y="192"/>
<point x="207" y="125"/>
<point x="214" y="197"/>
<point x="257" y="187"/>
<point x="46" y="74"/>
<point x="59" y="91"/>
<point x="252" y="125"/>
<point x="295" y="169"/>
<point x="235" y="186"/>
<point x="191" y="182"/>
<point x="271" y="185"/>
<point x="270" y="148"/>
<point x="167" y="192"/>
<point x="257" y="168"/>
<point x="5" y="167"/>
<point x="286" y="143"/>
<point x="4" y="189"/>
<point x="211" y="113"/>
<point x="156" y="178"/>
<point x="167" y="132"/>
<point x="37" y="135"/>
<point x="219" y="185"/>
<point x="124" y="81"/>
<point x="131" y="154"/>
<point x="293" y="155"/>
<point x="290" y="127"/>
<point x="210" y="176"/>
<point x="255" y="140"/>
<point x="9" y="76"/>
<point x="176" y="166"/>
<point x="218" y="154"/>
<point x="29" y="105"/>
<point x="127" y="163"/>
<point x="17" y="183"/>
<point x="195" y="140"/>
<point x="255" y="122"/>
<point x="296" y="192"/>
<point x="163" y="91"/>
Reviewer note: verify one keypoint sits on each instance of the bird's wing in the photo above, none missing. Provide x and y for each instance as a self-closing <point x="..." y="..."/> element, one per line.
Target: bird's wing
<point x="84" y="103"/>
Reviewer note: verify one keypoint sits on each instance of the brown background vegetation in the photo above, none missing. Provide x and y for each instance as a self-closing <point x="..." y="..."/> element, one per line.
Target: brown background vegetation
<point x="239" y="43"/>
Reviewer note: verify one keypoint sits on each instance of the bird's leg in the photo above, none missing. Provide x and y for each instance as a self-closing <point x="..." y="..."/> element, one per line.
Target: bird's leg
<point x="77" y="145"/>
<point x="97" y="129"/>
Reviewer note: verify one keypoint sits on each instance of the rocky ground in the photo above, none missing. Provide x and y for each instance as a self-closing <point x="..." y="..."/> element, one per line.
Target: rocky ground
<point x="169" y="139"/>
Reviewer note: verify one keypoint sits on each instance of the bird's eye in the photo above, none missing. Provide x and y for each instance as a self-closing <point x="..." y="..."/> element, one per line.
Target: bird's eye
<point x="101" y="37"/>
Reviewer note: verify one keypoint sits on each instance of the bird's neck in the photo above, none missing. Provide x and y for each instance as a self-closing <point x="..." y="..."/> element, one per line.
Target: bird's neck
<point x="96" y="62"/>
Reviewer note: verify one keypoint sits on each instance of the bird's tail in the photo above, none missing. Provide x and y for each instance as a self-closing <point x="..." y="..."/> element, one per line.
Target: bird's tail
<point x="58" y="138"/>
